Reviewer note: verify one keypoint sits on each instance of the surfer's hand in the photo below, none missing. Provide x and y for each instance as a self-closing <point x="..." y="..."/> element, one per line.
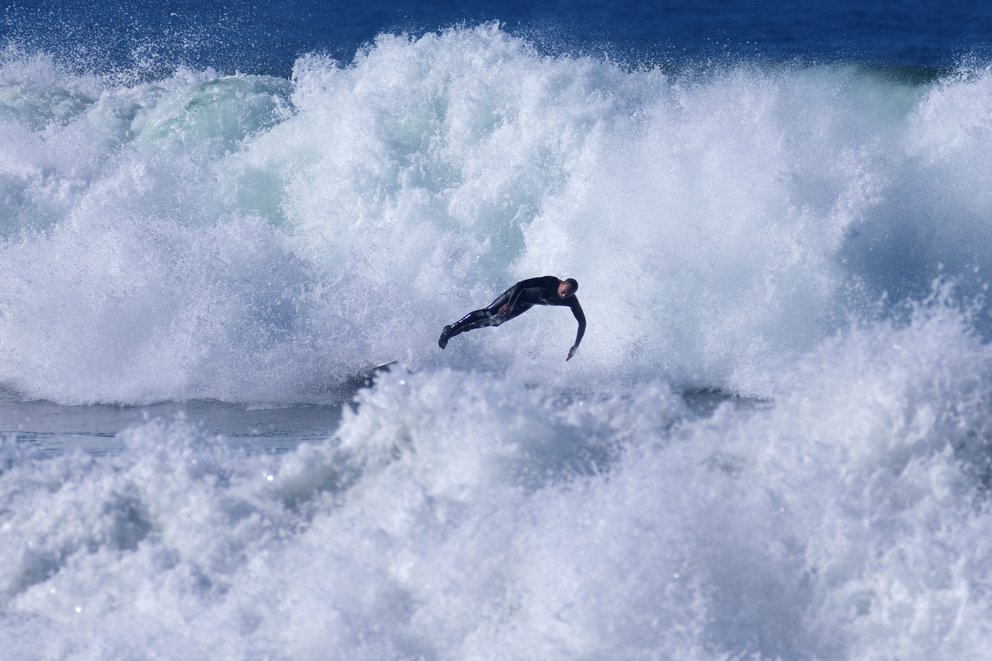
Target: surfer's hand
<point x="504" y="310"/>
<point x="571" y="352"/>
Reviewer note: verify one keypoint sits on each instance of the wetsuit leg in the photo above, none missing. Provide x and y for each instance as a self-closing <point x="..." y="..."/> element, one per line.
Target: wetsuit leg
<point x="487" y="316"/>
<point x="471" y="321"/>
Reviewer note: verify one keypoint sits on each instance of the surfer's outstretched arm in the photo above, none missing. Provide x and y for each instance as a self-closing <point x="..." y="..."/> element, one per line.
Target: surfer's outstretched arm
<point x="581" y="318"/>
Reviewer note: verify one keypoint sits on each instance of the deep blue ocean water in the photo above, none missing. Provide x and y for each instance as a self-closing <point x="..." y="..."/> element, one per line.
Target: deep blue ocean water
<point x="775" y="441"/>
<point x="256" y="37"/>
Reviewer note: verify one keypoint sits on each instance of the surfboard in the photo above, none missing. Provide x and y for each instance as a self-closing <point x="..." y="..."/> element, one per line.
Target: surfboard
<point x="704" y="401"/>
<point x="364" y="378"/>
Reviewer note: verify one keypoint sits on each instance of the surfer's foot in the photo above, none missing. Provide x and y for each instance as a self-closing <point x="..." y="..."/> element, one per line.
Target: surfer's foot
<point x="443" y="340"/>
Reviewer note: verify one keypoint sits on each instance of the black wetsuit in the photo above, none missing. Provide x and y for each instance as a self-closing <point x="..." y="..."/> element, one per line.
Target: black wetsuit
<point x="520" y="297"/>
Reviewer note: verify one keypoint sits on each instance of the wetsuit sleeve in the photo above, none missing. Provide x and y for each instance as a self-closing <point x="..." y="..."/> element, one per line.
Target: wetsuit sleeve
<point x="579" y="317"/>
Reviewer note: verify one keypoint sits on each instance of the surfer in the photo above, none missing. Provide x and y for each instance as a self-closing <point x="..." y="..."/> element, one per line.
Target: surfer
<point x="516" y="300"/>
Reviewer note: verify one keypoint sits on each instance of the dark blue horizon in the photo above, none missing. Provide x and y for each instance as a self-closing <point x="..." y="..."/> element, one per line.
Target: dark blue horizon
<point x="268" y="37"/>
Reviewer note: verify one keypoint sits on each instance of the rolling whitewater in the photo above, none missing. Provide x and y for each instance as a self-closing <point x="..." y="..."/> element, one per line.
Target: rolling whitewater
<point x="773" y="442"/>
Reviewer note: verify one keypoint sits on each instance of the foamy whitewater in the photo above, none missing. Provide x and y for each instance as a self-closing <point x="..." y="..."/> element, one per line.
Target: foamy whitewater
<point x="809" y="242"/>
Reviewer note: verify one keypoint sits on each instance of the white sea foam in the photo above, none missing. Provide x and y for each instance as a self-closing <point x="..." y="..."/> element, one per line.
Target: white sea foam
<point x="457" y="516"/>
<point x="811" y="235"/>
<point x="248" y="238"/>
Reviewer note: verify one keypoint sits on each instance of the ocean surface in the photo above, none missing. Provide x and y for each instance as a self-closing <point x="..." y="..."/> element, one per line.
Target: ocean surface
<point x="775" y="441"/>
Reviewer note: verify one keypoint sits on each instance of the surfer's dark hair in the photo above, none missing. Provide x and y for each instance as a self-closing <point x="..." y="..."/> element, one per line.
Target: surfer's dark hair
<point x="574" y="284"/>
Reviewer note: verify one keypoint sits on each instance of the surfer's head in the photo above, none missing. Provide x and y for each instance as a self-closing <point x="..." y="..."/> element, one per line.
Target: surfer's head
<point x="567" y="288"/>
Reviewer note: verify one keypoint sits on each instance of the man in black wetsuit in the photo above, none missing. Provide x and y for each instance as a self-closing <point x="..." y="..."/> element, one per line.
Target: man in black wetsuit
<point x="516" y="300"/>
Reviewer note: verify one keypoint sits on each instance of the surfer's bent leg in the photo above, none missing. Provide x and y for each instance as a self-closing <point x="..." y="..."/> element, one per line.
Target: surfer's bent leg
<point x="487" y="316"/>
<point x="475" y="319"/>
